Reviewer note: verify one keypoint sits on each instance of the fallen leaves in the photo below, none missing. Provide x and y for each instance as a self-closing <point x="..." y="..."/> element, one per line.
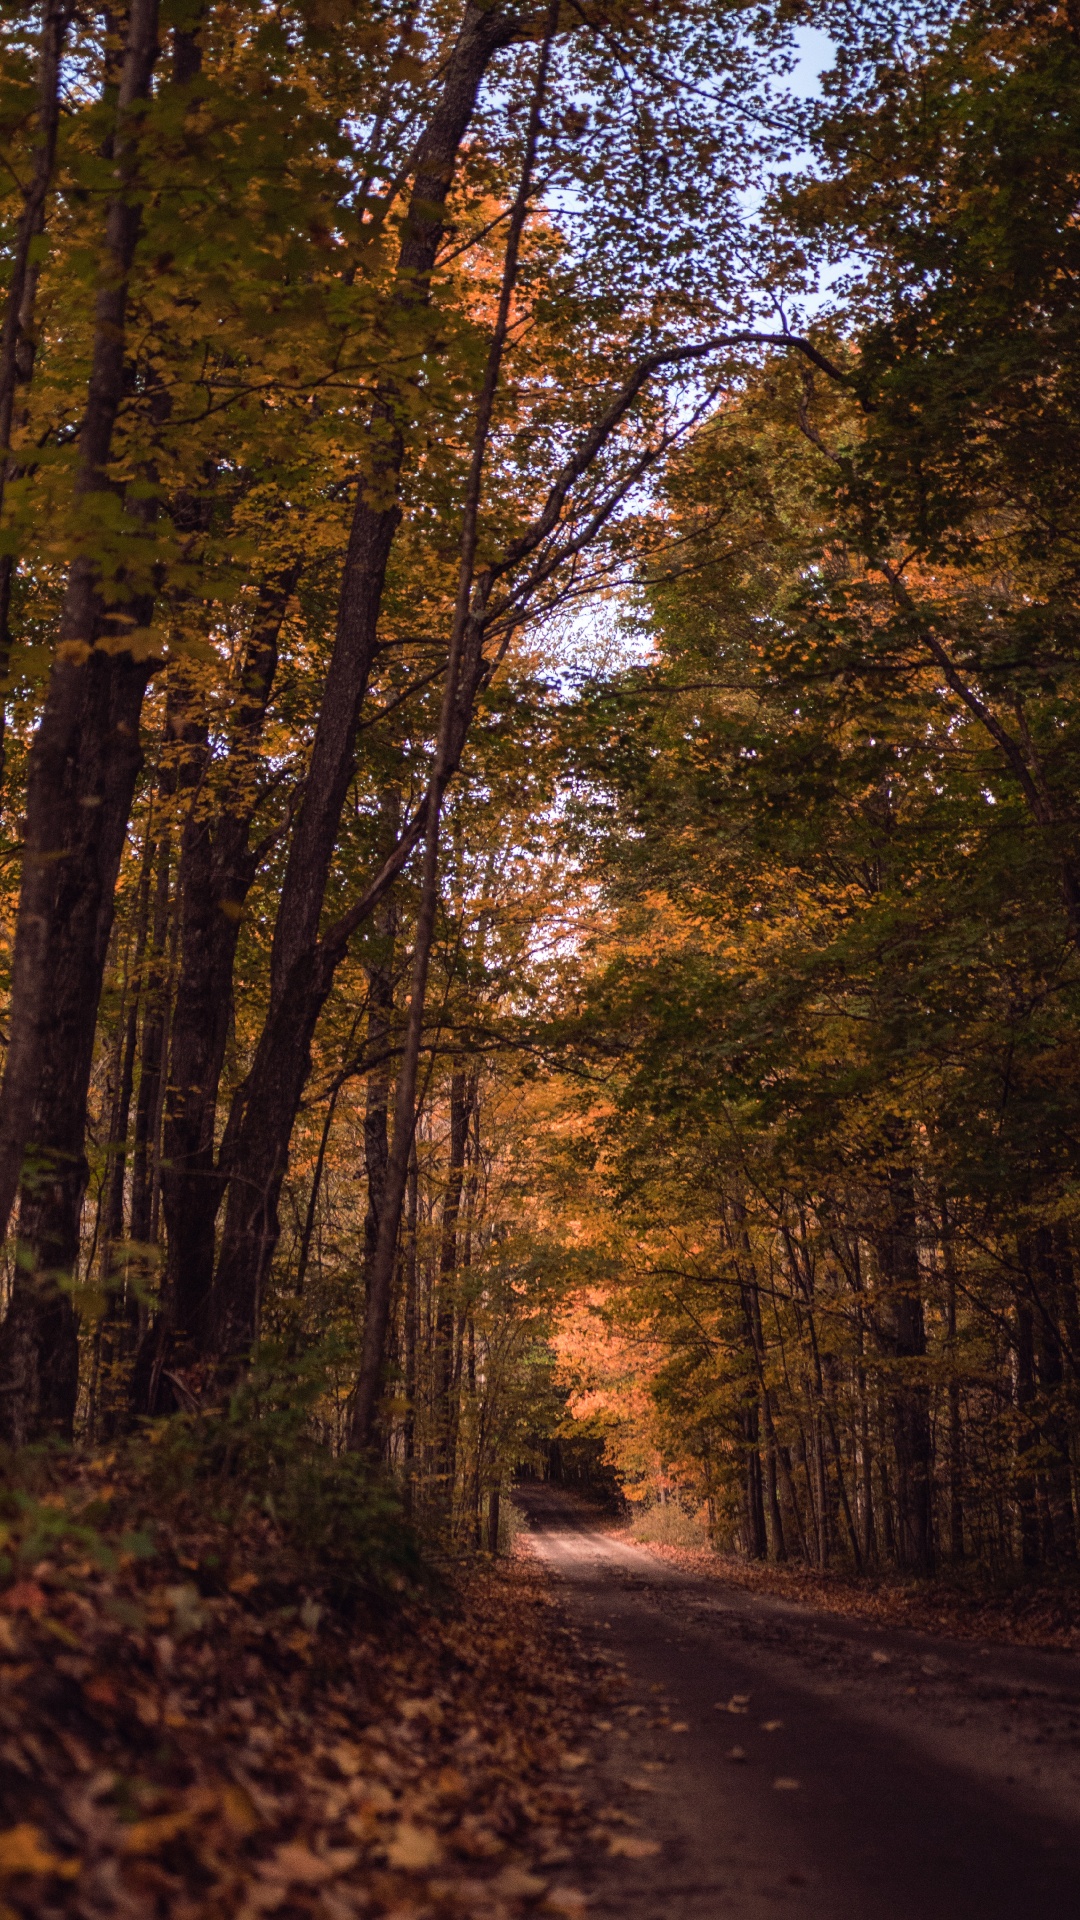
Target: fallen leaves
<point x="180" y="1744"/>
<point x="630" y="1846"/>
<point x="1032" y="1615"/>
<point x="415" y="1849"/>
<point x="22" y="1850"/>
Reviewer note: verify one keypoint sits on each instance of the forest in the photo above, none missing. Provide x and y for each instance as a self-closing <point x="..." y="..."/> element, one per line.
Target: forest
<point x="539" y="636"/>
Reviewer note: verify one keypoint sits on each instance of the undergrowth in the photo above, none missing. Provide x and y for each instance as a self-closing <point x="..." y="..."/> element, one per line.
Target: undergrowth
<point x="243" y="1493"/>
<point x="668" y="1526"/>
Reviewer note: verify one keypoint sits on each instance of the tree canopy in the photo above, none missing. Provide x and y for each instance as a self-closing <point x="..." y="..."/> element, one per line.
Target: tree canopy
<point x="539" y="643"/>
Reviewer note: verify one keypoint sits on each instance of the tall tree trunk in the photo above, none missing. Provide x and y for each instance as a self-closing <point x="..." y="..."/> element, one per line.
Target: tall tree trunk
<point x="757" y="1543"/>
<point x="751" y="1301"/>
<point x="955" y="1429"/>
<point x="463" y="668"/>
<point x="412" y="1316"/>
<point x="83" y="766"/>
<point x="1049" y="1357"/>
<point x="302" y="969"/>
<point x="380" y="975"/>
<point x="118" y="1327"/>
<point x="308" y="1231"/>
<point x="906" y="1334"/>
<point x="151" y="1055"/>
<point x="1027" y="1437"/>
<point x="216" y="869"/>
<point x="462" y="1089"/>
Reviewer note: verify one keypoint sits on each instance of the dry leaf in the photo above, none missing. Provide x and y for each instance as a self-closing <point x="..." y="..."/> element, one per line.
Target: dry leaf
<point x="239" y="1812"/>
<point x="414" y="1849"/>
<point x="22" y="1851"/>
<point x="736" y="1753"/>
<point x="516" y="1883"/>
<point x="567" y="1900"/>
<point x="771" y="1726"/>
<point x="785" y="1784"/>
<point x="631" y="1847"/>
<point x="294" y="1865"/>
<point x="148" y="1836"/>
<point x="346" y="1758"/>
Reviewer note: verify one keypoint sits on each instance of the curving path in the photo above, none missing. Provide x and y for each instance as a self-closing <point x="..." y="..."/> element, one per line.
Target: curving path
<point x="789" y="1762"/>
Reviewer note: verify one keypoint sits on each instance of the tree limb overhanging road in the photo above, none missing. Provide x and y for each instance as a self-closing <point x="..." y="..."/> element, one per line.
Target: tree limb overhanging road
<point x="788" y="1761"/>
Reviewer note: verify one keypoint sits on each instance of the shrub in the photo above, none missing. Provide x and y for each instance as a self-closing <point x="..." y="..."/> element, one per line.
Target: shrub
<point x="253" y="1475"/>
<point x="669" y="1526"/>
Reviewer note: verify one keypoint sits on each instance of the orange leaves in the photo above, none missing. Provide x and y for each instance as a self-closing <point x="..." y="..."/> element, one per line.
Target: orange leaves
<point x="24" y="1851"/>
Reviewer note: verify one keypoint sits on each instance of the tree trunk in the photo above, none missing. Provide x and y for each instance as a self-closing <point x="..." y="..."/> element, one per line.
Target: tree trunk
<point x="462" y="1089"/>
<point x="1061" y="1520"/>
<point x="152" y="1057"/>
<point x="412" y="1315"/>
<point x="1027" y="1435"/>
<point x="216" y="868"/>
<point x="302" y="970"/>
<point x="83" y="766"/>
<point x="380" y="1016"/>
<point x="757" y="1544"/>
<point x="955" y="1433"/>
<point x="910" y="1394"/>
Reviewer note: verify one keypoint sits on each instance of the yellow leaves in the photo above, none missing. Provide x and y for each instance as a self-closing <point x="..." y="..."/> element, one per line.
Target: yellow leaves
<point x="229" y="1803"/>
<point x="22" y="1850"/>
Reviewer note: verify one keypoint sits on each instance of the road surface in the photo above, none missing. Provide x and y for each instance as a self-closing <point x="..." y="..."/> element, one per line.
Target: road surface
<point x="786" y="1762"/>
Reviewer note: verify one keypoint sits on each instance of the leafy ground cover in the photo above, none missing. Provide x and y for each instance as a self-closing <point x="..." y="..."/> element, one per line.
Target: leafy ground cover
<point x="194" y="1722"/>
<point x="1036" y="1614"/>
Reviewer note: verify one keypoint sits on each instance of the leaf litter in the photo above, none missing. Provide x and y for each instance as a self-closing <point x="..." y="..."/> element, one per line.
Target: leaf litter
<point x="181" y="1741"/>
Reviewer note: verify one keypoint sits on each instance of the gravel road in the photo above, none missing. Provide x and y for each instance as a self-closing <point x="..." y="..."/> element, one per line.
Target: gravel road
<point x="785" y="1761"/>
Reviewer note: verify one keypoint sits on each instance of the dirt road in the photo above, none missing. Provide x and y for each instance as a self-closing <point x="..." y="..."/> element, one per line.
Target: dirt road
<point x="788" y="1762"/>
